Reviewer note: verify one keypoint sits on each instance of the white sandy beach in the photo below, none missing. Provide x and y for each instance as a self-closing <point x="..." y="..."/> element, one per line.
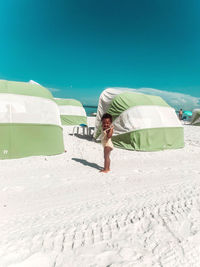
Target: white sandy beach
<point x="60" y="211"/>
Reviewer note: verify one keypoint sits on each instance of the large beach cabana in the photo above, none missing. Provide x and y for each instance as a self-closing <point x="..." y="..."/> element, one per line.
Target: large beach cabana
<point x="71" y="111"/>
<point x="141" y="122"/>
<point x="195" y="120"/>
<point x="29" y="121"/>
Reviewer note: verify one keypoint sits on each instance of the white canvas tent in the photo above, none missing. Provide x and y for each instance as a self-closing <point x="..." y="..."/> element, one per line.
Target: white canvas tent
<point x="29" y="121"/>
<point x="141" y="122"/>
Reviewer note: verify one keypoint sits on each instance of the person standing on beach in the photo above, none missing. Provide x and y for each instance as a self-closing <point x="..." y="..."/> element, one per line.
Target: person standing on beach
<point x="107" y="132"/>
<point x="180" y="114"/>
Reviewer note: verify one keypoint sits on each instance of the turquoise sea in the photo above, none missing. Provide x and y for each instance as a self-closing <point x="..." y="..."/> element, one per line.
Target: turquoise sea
<point x="90" y="109"/>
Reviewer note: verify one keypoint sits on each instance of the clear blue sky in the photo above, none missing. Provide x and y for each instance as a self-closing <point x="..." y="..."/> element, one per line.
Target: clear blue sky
<point x="83" y="46"/>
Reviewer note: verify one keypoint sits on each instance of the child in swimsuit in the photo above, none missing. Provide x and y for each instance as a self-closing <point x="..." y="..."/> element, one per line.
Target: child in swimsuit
<point x="107" y="131"/>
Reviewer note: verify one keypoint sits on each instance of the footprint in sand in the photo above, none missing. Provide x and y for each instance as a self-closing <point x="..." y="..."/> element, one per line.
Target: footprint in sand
<point x="138" y="171"/>
<point x="13" y="189"/>
<point x="19" y="188"/>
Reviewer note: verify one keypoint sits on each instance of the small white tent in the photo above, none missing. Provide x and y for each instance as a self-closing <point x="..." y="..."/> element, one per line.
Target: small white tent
<point x="72" y="111"/>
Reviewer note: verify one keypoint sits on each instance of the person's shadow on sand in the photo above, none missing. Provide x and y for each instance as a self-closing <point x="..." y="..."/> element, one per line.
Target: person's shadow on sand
<point x="87" y="163"/>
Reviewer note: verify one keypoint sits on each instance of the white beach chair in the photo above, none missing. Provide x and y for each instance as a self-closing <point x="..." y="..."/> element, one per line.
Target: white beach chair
<point x="86" y="129"/>
<point x="83" y="127"/>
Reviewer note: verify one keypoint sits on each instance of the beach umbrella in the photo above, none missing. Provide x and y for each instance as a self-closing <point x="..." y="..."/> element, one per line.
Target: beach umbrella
<point x="72" y="111"/>
<point x="29" y="121"/>
<point x="187" y="112"/>
<point x="141" y="122"/>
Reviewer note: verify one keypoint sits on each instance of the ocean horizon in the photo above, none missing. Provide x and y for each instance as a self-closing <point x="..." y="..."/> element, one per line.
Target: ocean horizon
<point x="90" y="109"/>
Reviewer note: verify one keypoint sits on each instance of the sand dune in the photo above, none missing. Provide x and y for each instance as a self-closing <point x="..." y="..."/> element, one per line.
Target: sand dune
<point x="60" y="211"/>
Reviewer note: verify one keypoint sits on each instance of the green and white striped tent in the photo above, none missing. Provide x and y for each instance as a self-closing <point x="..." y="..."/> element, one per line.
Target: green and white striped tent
<point x="29" y="121"/>
<point x="195" y="120"/>
<point x="141" y="122"/>
<point x="71" y="111"/>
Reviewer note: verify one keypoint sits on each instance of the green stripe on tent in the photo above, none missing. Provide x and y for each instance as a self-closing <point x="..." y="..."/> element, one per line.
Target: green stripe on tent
<point x="22" y="140"/>
<point x="67" y="102"/>
<point x="73" y="120"/>
<point x="22" y="88"/>
<point x="151" y="139"/>
<point x="126" y="100"/>
<point x="98" y="132"/>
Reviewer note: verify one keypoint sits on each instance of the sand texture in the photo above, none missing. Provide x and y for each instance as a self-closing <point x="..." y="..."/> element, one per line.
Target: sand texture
<point x="61" y="211"/>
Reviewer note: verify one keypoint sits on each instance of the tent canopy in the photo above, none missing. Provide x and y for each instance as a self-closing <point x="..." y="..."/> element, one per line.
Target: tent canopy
<point x="71" y="111"/>
<point x="24" y="88"/>
<point x="141" y="122"/>
<point x="29" y="121"/>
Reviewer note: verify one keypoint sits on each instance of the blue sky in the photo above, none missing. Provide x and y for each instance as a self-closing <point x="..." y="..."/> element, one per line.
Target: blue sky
<point x="78" y="47"/>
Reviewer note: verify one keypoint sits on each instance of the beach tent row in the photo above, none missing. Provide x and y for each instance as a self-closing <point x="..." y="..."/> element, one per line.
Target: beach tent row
<point x="195" y="120"/>
<point x="141" y="122"/>
<point x="30" y="120"/>
<point x="71" y="111"/>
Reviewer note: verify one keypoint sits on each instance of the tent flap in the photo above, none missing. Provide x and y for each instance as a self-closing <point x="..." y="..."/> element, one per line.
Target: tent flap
<point x="150" y="139"/>
<point x="23" y="140"/>
<point x="73" y="120"/>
